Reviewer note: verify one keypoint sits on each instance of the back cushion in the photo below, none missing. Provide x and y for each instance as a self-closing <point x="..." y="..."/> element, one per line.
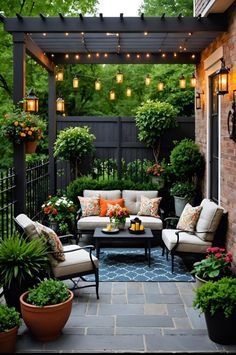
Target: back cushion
<point x="209" y="219"/>
<point x="133" y="199"/>
<point x="107" y="195"/>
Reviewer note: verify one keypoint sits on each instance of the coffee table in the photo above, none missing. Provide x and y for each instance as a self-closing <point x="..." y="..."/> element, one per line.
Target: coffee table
<point x="123" y="238"/>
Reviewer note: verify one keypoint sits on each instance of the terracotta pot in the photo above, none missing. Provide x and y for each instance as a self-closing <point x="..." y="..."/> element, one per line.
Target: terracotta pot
<point x="30" y="147"/>
<point x="46" y="323"/>
<point x="8" y="340"/>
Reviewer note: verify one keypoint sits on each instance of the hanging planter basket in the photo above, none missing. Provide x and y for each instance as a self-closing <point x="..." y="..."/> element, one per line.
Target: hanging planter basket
<point x="30" y="147"/>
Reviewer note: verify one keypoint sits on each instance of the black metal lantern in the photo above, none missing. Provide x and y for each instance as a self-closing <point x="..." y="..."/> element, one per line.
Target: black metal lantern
<point x="198" y="103"/>
<point x="60" y="105"/>
<point x="182" y="82"/>
<point x="31" y="103"/>
<point x="222" y="79"/>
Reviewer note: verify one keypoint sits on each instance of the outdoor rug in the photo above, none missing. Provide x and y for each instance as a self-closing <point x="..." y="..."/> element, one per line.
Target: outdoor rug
<point x="129" y="264"/>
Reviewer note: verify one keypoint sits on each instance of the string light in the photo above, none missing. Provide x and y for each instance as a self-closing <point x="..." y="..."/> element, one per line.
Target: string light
<point x="97" y="85"/>
<point x="128" y="92"/>
<point x="147" y="80"/>
<point x="75" y="82"/>
<point x="112" y="95"/>
<point x="160" y="86"/>
<point x="119" y="77"/>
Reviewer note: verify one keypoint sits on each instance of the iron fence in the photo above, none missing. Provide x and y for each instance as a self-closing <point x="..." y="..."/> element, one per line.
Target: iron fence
<point x="7" y="202"/>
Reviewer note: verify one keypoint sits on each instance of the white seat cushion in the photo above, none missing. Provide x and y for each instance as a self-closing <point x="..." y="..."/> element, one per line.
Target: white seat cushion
<point x="188" y="242"/>
<point x="75" y="262"/>
<point x="133" y="199"/>
<point x="209" y="219"/>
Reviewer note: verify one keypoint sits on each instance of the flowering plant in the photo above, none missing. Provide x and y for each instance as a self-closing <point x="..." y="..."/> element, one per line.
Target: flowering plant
<point x="118" y="214"/>
<point x="61" y="210"/>
<point x="20" y="126"/>
<point x="216" y="264"/>
<point x="156" y="169"/>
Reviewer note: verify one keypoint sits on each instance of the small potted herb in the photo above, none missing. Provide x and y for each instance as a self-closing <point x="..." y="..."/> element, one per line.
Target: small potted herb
<point x="217" y="300"/>
<point x="46" y="308"/>
<point x="9" y="324"/>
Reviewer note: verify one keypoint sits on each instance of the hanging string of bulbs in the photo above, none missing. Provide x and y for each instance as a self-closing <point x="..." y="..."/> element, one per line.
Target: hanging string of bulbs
<point x="119" y="80"/>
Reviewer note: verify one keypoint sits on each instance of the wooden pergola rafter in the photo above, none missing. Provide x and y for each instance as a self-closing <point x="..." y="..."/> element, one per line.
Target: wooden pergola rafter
<point x="111" y="40"/>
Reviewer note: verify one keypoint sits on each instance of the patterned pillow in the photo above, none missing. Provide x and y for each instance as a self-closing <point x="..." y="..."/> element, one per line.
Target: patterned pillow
<point x="189" y="217"/>
<point x="52" y="240"/>
<point x="89" y="205"/>
<point x="149" y="206"/>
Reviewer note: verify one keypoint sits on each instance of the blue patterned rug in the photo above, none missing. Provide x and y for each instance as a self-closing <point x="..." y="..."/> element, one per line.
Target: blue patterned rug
<point x="120" y="264"/>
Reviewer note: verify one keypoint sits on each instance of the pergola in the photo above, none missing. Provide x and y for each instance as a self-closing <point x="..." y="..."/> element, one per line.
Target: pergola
<point x="112" y="40"/>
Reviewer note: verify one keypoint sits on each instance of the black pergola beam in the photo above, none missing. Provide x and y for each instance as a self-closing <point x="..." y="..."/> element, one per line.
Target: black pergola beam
<point x="121" y="58"/>
<point x="214" y="22"/>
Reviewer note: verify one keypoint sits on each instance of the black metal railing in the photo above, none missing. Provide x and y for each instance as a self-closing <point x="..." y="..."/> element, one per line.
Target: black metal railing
<point x="7" y="202"/>
<point x="37" y="187"/>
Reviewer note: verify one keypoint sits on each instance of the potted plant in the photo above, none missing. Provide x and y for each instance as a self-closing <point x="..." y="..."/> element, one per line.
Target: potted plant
<point x="46" y="308"/>
<point x="22" y="264"/>
<point x="156" y="172"/>
<point x="153" y="119"/>
<point x="9" y="324"/>
<point x="215" y="265"/>
<point x="118" y="215"/>
<point x="183" y="192"/>
<point x="218" y="302"/>
<point x="23" y="127"/>
<point x="61" y="214"/>
<point x="73" y="144"/>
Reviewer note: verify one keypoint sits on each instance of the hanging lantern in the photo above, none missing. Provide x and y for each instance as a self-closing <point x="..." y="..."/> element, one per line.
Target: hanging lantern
<point x="119" y="77"/>
<point x="31" y="102"/>
<point x="75" y="82"/>
<point x="193" y="81"/>
<point x="112" y="95"/>
<point x="160" y="86"/>
<point x="198" y="102"/>
<point x="147" y="80"/>
<point x="128" y="92"/>
<point x="222" y="79"/>
<point x="98" y="85"/>
<point x="60" y="104"/>
<point x="60" y="75"/>
<point x="182" y="82"/>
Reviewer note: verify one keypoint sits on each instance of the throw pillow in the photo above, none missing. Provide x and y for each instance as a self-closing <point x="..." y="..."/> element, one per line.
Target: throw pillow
<point x="104" y="203"/>
<point x="189" y="217"/>
<point x="89" y="205"/>
<point x="52" y="240"/>
<point x="149" y="206"/>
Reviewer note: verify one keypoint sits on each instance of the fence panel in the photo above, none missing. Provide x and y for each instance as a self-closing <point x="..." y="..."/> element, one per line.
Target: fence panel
<point x="7" y="187"/>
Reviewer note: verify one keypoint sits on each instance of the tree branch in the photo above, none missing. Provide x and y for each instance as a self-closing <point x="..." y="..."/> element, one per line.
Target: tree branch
<point x="4" y="85"/>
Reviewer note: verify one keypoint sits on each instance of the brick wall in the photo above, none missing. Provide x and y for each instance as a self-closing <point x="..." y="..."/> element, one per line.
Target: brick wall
<point x="228" y="146"/>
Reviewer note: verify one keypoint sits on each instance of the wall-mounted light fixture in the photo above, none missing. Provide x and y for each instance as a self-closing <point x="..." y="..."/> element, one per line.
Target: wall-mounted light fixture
<point x="31" y="103"/>
<point x="60" y="105"/>
<point x="198" y="100"/>
<point x="222" y="79"/>
<point x="182" y="82"/>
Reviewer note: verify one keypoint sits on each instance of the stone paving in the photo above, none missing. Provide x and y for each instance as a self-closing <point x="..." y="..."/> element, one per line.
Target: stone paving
<point x="130" y="317"/>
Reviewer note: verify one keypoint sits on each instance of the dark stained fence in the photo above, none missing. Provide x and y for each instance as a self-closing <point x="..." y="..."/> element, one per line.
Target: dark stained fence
<point x="117" y="139"/>
<point x="7" y="202"/>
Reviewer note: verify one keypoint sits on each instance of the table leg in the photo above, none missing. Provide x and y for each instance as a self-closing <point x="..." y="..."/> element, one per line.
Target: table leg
<point x="97" y="246"/>
<point x="149" y="252"/>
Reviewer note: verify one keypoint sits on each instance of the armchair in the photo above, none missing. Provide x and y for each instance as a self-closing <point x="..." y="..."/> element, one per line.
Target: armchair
<point x="78" y="262"/>
<point x="176" y="241"/>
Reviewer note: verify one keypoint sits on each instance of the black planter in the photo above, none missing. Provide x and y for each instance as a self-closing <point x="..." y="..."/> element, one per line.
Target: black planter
<point x="221" y="330"/>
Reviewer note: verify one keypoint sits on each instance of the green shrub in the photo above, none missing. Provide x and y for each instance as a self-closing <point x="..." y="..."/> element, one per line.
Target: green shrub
<point x="48" y="292"/>
<point x="186" y="159"/>
<point x="9" y="318"/>
<point x="183" y="189"/>
<point x="216" y="296"/>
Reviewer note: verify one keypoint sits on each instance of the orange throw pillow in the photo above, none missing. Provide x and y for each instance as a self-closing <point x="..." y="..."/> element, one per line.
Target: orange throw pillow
<point x="103" y="205"/>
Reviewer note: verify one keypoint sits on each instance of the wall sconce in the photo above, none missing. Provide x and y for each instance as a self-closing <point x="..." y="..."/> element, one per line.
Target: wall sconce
<point x="60" y="105"/>
<point x="31" y="103"/>
<point x="75" y="82"/>
<point x="232" y="119"/>
<point x="160" y="86"/>
<point x="182" y="82"/>
<point x="60" y="75"/>
<point x="222" y="79"/>
<point x="98" y="85"/>
<point x="193" y="81"/>
<point x="128" y="92"/>
<point x="147" y="80"/>
<point x="119" y="77"/>
<point x="198" y="100"/>
<point x="112" y="95"/>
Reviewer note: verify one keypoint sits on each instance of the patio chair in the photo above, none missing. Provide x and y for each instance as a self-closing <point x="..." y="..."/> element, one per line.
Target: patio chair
<point x="78" y="262"/>
<point x="195" y="242"/>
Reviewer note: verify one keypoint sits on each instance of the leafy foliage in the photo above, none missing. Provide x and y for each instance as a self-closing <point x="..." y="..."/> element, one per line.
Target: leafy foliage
<point x="169" y="7"/>
<point x="183" y="189"/>
<point x="217" y="296"/>
<point x="21" y="259"/>
<point x="48" y="292"/>
<point x="9" y="318"/>
<point x="153" y="118"/>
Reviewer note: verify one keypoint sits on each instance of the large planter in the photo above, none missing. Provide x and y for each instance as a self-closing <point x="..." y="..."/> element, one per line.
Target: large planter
<point x="8" y="340"/>
<point x="30" y="147"/>
<point x="199" y="281"/>
<point x="180" y="203"/>
<point x="46" y="323"/>
<point x="221" y="330"/>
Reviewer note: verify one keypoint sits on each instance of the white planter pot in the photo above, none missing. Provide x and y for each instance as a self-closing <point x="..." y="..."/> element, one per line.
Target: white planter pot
<point x="180" y="203"/>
